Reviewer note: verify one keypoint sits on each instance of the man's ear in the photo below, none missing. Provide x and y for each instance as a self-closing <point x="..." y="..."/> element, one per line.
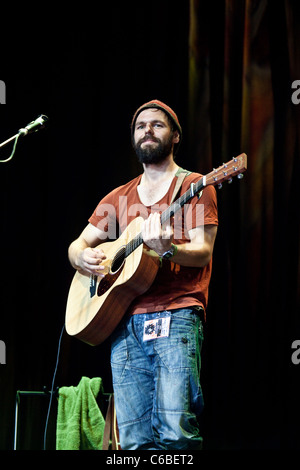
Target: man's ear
<point x="176" y="137"/>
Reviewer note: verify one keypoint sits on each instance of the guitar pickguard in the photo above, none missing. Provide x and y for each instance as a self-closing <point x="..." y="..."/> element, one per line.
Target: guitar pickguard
<point x="107" y="282"/>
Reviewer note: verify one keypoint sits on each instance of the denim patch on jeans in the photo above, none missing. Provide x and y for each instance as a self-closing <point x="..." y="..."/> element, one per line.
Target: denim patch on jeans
<point x="157" y="389"/>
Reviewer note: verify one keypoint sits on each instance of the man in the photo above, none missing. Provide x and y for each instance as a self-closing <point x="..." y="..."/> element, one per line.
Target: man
<point x="155" y="350"/>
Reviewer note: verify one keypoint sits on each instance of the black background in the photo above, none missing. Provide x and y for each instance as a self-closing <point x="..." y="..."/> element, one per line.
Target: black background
<point x="88" y="68"/>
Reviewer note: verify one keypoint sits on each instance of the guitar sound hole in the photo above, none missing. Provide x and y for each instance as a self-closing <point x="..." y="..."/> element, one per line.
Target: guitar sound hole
<point x="115" y="271"/>
<point x="117" y="261"/>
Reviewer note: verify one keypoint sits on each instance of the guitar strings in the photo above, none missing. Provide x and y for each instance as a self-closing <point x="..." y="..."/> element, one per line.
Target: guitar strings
<point x="167" y="214"/>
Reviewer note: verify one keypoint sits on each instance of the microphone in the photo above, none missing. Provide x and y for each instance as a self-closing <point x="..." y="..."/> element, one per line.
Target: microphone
<point x="34" y="126"/>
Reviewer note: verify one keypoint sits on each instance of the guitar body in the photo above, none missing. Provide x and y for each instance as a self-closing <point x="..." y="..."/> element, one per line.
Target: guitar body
<point x="93" y="319"/>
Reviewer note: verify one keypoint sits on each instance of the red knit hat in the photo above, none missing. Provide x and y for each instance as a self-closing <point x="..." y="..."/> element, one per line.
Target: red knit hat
<point x="159" y="105"/>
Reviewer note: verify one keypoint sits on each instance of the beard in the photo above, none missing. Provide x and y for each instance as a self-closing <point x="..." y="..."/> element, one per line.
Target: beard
<point x="153" y="153"/>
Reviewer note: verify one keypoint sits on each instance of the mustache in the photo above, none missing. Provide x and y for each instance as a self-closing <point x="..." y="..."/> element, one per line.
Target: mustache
<point x="148" y="137"/>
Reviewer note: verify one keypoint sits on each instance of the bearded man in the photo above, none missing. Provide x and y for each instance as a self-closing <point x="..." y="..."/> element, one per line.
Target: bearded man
<point x="156" y="347"/>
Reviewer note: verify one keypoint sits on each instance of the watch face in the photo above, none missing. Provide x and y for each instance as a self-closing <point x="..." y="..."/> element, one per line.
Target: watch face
<point x="168" y="254"/>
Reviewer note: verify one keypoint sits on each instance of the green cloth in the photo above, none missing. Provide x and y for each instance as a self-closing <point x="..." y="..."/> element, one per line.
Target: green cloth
<point x="80" y="423"/>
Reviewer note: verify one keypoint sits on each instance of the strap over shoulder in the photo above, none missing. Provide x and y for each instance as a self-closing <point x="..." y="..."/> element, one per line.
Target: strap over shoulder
<point x="180" y="174"/>
<point x="182" y="170"/>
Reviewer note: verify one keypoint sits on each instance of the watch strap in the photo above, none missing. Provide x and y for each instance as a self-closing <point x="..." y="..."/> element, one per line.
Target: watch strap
<point x="171" y="252"/>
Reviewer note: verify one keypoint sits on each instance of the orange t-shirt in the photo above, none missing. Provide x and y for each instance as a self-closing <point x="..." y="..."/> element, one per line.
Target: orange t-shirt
<point x="175" y="286"/>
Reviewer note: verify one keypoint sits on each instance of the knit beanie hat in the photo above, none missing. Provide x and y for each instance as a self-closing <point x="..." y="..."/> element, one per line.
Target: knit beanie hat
<point x="163" y="107"/>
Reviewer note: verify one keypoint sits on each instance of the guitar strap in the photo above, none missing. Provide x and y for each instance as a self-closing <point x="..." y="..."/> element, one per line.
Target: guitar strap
<point x="181" y="174"/>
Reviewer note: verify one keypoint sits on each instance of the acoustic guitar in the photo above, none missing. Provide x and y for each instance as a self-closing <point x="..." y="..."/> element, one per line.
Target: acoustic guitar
<point x="95" y="305"/>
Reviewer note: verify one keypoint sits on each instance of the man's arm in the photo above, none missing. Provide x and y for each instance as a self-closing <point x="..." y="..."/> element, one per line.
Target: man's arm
<point x="196" y="253"/>
<point x="82" y="253"/>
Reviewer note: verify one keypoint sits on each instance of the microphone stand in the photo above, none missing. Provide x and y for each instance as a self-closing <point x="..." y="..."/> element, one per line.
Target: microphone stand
<point x="14" y="137"/>
<point x="33" y="126"/>
<point x="8" y="140"/>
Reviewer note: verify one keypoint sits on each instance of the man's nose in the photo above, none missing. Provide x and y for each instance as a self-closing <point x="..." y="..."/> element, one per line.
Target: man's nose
<point x="148" y="128"/>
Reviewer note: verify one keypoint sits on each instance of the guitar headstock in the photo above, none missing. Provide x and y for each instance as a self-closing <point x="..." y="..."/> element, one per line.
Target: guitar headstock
<point x="227" y="171"/>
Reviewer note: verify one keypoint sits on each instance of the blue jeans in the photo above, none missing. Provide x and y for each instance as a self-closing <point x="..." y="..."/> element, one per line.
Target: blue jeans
<point x="156" y="383"/>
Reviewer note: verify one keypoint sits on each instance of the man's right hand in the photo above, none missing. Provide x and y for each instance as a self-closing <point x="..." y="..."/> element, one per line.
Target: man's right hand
<point x="89" y="260"/>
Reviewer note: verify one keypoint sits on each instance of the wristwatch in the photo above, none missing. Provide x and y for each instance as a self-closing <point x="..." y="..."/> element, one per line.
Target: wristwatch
<point x="171" y="252"/>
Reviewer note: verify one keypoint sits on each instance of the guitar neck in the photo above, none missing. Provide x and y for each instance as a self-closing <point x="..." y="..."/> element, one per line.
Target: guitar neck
<point x="195" y="188"/>
<point x="168" y="213"/>
<point x="225" y="172"/>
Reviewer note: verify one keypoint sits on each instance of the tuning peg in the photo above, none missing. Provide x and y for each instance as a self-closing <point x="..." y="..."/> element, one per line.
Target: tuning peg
<point x="230" y="181"/>
<point x="220" y="185"/>
<point x="240" y="176"/>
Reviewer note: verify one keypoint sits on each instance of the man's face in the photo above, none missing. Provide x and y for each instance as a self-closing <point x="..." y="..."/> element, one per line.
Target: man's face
<point x="153" y="136"/>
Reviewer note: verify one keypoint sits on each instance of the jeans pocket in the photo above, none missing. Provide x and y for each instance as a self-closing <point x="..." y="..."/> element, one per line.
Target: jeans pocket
<point x="178" y="351"/>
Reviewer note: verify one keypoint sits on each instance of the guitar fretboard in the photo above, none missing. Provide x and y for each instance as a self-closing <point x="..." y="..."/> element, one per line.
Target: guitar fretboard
<point x="195" y="188"/>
